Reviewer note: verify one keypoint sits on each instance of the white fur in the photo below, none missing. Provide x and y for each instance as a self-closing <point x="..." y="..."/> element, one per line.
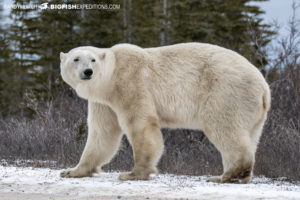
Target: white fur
<point x="190" y="85"/>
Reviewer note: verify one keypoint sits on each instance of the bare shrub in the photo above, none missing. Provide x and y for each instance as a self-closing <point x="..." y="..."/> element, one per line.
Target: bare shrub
<point x="58" y="132"/>
<point x="50" y="135"/>
<point x="279" y="150"/>
<point x="186" y="152"/>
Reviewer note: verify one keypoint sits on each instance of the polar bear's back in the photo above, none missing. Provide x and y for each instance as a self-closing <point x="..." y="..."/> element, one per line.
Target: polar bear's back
<point x="189" y="82"/>
<point x="198" y="53"/>
<point x="192" y="60"/>
<point x="191" y="76"/>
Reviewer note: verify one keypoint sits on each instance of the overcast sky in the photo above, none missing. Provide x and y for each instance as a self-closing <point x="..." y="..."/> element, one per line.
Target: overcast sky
<point x="277" y="9"/>
<point x="280" y="10"/>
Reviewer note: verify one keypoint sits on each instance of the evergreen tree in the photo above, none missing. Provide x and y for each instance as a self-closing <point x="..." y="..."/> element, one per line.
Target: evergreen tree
<point x="19" y="43"/>
<point x="145" y="22"/>
<point x="58" y="31"/>
<point x="221" y="22"/>
<point x="5" y="69"/>
<point x="101" y="28"/>
<point x="36" y="37"/>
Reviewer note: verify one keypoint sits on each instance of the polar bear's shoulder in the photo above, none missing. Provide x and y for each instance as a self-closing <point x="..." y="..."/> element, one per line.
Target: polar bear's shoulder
<point x="87" y="48"/>
<point x="126" y="47"/>
<point x="186" y="45"/>
<point x="128" y="51"/>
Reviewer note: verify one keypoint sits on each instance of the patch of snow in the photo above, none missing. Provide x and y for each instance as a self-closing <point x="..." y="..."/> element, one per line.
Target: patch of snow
<point x="47" y="182"/>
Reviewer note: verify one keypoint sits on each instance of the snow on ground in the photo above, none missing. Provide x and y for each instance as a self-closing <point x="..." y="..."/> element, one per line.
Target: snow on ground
<point x="43" y="183"/>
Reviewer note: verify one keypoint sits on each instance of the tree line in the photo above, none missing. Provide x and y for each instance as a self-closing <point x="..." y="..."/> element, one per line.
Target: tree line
<point x="31" y="39"/>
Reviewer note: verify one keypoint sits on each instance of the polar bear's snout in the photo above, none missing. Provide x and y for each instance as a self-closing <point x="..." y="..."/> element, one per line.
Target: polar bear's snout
<point x="86" y="74"/>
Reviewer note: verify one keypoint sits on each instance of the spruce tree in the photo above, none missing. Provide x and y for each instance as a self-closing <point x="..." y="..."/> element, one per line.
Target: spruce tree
<point x="36" y="37"/>
<point x="58" y="31"/>
<point x="23" y="44"/>
<point x="5" y="69"/>
<point x="221" y="22"/>
<point x="101" y="27"/>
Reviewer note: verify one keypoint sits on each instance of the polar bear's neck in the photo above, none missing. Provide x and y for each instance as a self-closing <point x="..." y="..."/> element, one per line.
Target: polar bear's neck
<point x="94" y="94"/>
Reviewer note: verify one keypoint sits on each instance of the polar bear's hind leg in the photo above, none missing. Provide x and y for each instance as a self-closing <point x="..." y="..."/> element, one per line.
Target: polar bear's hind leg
<point x="237" y="157"/>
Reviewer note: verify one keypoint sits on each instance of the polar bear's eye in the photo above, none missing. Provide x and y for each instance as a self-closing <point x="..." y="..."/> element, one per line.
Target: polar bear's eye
<point x="76" y="59"/>
<point x="93" y="60"/>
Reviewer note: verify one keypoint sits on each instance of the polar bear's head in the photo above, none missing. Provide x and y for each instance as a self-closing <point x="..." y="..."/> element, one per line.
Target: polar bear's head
<point x="87" y="69"/>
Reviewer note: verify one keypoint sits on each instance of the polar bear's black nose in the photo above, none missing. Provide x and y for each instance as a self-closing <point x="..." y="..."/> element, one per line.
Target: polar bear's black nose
<point x="88" y="72"/>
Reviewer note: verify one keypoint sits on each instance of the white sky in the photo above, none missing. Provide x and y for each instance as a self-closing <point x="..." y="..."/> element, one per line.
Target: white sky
<point x="279" y="10"/>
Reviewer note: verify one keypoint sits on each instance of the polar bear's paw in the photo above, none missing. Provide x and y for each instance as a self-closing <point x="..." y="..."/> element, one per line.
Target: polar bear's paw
<point x="74" y="173"/>
<point x="215" y="179"/>
<point x="134" y="176"/>
<point x="222" y="179"/>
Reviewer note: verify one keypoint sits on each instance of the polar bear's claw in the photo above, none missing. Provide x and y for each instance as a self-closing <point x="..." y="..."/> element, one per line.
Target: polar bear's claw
<point x="133" y="176"/>
<point x="214" y="179"/>
<point x="66" y="173"/>
<point x="73" y="173"/>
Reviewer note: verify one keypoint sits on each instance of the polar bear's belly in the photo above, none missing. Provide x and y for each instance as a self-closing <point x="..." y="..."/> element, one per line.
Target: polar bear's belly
<point x="177" y="111"/>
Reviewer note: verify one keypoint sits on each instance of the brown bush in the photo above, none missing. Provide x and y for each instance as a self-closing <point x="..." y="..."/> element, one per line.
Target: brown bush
<point x="50" y="135"/>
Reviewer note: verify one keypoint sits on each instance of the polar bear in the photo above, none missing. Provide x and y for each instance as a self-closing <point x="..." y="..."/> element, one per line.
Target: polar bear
<point x="190" y="85"/>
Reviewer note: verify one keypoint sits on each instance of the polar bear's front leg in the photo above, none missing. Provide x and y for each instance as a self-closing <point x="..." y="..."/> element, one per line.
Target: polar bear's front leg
<point x="147" y="143"/>
<point x="103" y="140"/>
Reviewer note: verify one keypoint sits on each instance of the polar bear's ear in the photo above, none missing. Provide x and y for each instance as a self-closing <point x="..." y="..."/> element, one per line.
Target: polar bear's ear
<point x="62" y="56"/>
<point x="102" y="56"/>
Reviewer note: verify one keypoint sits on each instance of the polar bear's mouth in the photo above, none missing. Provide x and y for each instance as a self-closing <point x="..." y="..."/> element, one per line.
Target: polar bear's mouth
<point x="85" y="78"/>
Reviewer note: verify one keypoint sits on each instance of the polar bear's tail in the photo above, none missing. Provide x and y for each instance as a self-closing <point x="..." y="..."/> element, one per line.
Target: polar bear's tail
<point x="266" y="99"/>
<point x="258" y="126"/>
